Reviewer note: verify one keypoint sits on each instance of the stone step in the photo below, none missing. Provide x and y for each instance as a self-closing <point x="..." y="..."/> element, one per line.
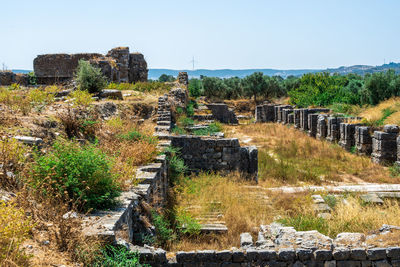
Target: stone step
<point x="163" y="128"/>
<point x="164" y="123"/>
<point x="162" y="136"/>
<point x="321" y="207"/>
<point x="213" y="228"/>
<point x="371" y="198"/>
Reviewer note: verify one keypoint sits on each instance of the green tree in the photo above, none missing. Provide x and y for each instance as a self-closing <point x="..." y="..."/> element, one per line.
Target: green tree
<point x="254" y="85"/>
<point x="166" y="78"/>
<point x="213" y="87"/>
<point x="89" y="78"/>
<point x="195" y="87"/>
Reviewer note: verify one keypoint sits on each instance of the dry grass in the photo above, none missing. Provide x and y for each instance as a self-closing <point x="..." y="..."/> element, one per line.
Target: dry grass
<point x="14" y="229"/>
<point x="375" y="113"/>
<point x="350" y="214"/>
<point x="244" y="211"/>
<point x="237" y="200"/>
<point x="127" y="154"/>
<point x="289" y="156"/>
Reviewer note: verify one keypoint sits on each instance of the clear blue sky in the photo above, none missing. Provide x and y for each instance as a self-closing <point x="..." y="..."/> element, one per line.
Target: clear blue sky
<point x="285" y="34"/>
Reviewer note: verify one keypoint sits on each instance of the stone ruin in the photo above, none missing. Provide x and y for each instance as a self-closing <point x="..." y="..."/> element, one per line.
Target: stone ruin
<point x="9" y="77"/>
<point x="384" y="146"/>
<point x="316" y="122"/>
<point x="118" y="65"/>
<point x="223" y="113"/>
<point x="183" y="78"/>
<point x="217" y="154"/>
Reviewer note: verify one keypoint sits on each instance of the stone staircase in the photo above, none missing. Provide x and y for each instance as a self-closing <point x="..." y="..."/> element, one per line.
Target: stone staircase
<point x="164" y="118"/>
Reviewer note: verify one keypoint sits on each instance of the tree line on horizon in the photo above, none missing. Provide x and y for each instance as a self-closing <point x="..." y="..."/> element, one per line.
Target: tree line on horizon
<point x="312" y="89"/>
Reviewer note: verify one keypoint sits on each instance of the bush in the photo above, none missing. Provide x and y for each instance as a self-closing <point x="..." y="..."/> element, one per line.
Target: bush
<point x="89" y="78"/>
<point x="163" y="228"/>
<point x="83" y="173"/>
<point x="80" y="98"/>
<point x="14" y="229"/>
<point x="136" y="136"/>
<point x="12" y="158"/>
<point x="186" y="224"/>
<point x="118" y="256"/>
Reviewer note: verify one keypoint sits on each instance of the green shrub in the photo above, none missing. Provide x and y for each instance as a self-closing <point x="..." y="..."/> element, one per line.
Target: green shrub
<point x="187" y="225"/>
<point x="385" y="114"/>
<point x="178" y="130"/>
<point x="214" y="127"/>
<point x="89" y="78"/>
<point x="134" y="135"/>
<point x="32" y="78"/>
<point x="163" y="228"/>
<point x="118" y="257"/>
<point x="185" y="121"/>
<point x="83" y="173"/>
<point x="330" y="200"/>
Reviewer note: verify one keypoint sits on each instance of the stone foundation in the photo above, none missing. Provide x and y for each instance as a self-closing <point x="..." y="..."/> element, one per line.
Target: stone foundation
<point x="321" y="126"/>
<point x="296" y="118"/>
<point x="347" y="135"/>
<point x="217" y="154"/>
<point x="312" y="124"/>
<point x="304" y="116"/>
<point x="222" y="113"/>
<point x="285" y="115"/>
<point x="265" y="113"/>
<point x="384" y="146"/>
<point x="279" y="112"/>
<point x="363" y="140"/>
<point x="333" y="131"/>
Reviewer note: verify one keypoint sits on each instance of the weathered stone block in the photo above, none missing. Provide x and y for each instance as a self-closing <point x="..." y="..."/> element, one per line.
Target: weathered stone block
<point x="376" y="253"/>
<point x="393" y="253"/>
<point x="287" y="255"/>
<point x="323" y="255"/>
<point x="222" y="113"/>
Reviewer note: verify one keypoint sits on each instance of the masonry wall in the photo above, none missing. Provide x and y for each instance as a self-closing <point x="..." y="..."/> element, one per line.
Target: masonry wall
<point x="217" y="154"/>
<point x="223" y="113"/>
<point x="118" y="66"/>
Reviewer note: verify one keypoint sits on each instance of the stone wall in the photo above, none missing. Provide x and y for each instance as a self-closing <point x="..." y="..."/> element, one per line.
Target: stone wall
<point x="304" y="116"/>
<point x="363" y="140"/>
<point x="285" y="115"/>
<point x="384" y="146"/>
<point x="347" y="135"/>
<point x="333" y="131"/>
<point x="8" y="77"/>
<point x="322" y="127"/>
<point x="118" y="66"/>
<point x="222" y="113"/>
<point x="216" y="154"/>
<point x="312" y="124"/>
<point x="183" y="78"/>
<point x="265" y="113"/>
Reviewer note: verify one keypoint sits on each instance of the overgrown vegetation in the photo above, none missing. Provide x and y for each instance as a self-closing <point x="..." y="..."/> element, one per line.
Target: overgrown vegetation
<point x="323" y="89"/>
<point x="352" y="215"/>
<point x="83" y="173"/>
<point x="117" y="257"/>
<point x="287" y="156"/>
<point x="89" y="78"/>
<point x="14" y="229"/>
<point x="146" y="87"/>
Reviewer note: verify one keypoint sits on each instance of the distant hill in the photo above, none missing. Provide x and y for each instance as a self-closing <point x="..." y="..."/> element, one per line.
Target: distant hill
<point x="226" y="73"/>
